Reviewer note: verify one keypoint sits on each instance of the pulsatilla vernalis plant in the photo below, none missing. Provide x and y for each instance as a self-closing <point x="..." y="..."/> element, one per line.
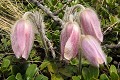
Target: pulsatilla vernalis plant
<point x="88" y="41"/>
<point x="86" y="36"/>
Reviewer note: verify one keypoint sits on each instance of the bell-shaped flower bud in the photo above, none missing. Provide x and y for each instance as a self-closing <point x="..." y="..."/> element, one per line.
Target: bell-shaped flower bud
<point x="69" y="39"/>
<point x="90" y="24"/>
<point x="92" y="50"/>
<point x="22" y="38"/>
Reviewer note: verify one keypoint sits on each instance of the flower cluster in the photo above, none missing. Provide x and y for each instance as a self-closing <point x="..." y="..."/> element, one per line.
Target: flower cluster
<point x="87" y="36"/>
<point x="84" y="34"/>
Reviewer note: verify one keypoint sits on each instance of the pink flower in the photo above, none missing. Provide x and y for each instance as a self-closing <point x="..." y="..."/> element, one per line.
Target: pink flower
<point x="90" y="24"/>
<point x="70" y="40"/>
<point x="22" y="38"/>
<point x="92" y="50"/>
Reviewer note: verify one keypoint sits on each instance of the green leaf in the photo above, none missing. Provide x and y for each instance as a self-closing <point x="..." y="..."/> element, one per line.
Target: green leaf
<point x="74" y="61"/>
<point x="5" y="63"/>
<point x="4" y="41"/>
<point x="49" y="35"/>
<point x="110" y="2"/>
<point x="85" y="62"/>
<point x="19" y="76"/>
<point x="12" y="77"/>
<point x="31" y="70"/>
<point x="54" y="2"/>
<point x="41" y="77"/>
<point x="86" y="73"/>
<point x="94" y="72"/>
<point x="65" y="72"/>
<point x="109" y="59"/>
<point x="60" y="5"/>
<point x="24" y="67"/>
<point x="113" y="69"/>
<point x="113" y="19"/>
<point x="60" y="15"/>
<point x="1" y="56"/>
<point x="104" y="77"/>
<point x="49" y="2"/>
<point x="56" y="77"/>
<point x="76" y="78"/>
<point x="71" y="68"/>
<point x="52" y="67"/>
<point x="114" y="76"/>
<point x="89" y="73"/>
<point x="57" y="32"/>
<point x="15" y="69"/>
<point x="44" y="64"/>
<point x="107" y="1"/>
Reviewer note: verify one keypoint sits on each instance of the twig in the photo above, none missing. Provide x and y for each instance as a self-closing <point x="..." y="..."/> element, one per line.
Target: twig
<point x="37" y="20"/>
<point x="41" y="29"/>
<point x="51" y="47"/>
<point x="112" y="46"/>
<point x="47" y="11"/>
<point x="58" y="11"/>
<point x="110" y="27"/>
<point x="34" y="61"/>
<point x="72" y="11"/>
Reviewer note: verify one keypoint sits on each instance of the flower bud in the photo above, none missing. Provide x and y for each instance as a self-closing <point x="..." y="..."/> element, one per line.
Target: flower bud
<point x="90" y="24"/>
<point x="69" y="39"/>
<point x="22" y="38"/>
<point x="92" y="50"/>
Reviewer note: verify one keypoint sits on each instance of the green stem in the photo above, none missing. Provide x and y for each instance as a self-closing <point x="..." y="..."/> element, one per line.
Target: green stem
<point x="80" y="62"/>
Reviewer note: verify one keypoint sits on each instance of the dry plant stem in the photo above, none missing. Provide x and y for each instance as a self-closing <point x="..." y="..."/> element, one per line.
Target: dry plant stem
<point x="110" y="27"/>
<point x="51" y="47"/>
<point x="71" y="11"/>
<point x="41" y="28"/>
<point x="34" y="61"/>
<point x="74" y="11"/>
<point x="77" y="6"/>
<point x="47" y="11"/>
<point x="6" y="20"/>
<point x="42" y="31"/>
<point x="112" y="46"/>
<point x="57" y="12"/>
<point x="45" y="39"/>
<point x="42" y="34"/>
<point x="66" y="15"/>
<point x="37" y="20"/>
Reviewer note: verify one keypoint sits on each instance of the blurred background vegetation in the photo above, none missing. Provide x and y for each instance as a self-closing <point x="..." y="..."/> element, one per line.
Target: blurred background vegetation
<point x="39" y="67"/>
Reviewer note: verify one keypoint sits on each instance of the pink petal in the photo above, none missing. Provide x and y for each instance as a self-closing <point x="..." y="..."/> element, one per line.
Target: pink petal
<point x="90" y="24"/>
<point x="69" y="40"/>
<point x="71" y="47"/>
<point x="65" y="34"/>
<point x="20" y="35"/>
<point x="29" y="34"/>
<point x="16" y="38"/>
<point x="92" y="50"/>
<point x="22" y="38"/>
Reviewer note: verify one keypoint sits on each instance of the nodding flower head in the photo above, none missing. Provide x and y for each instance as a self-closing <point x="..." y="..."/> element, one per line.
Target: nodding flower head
<point x="90" y="24"/>
<point x="69" y="40"/>
<point x="22" y="38"/>
<point x="92" y="50"/>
